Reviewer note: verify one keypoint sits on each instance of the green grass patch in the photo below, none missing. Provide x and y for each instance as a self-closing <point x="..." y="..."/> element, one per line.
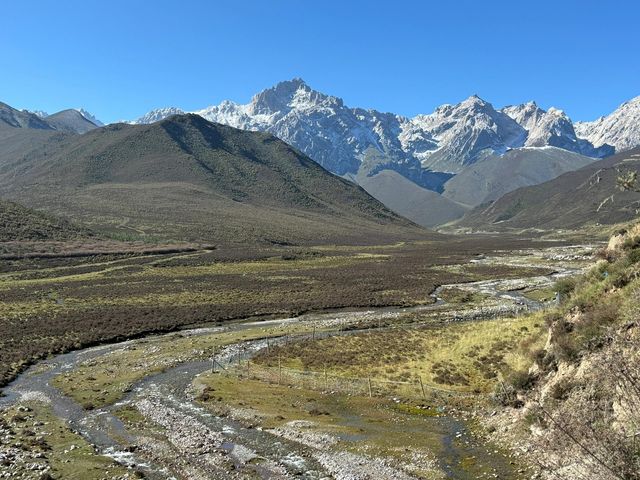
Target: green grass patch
<point x="106" y="379"/>
<point x="540" y="294"/>
<point x="467" y="357"/>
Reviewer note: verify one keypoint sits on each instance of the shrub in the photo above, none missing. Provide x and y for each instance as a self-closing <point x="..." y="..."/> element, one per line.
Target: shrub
<point x="552" y="317"/>
<point x="534" y="417"/>
<point x="506" y="395"/>
<point x="565" y="286"/>
<point x="561" y="389"/>
<point x="634" y="255"/>
<point x="565" y="347"/>
<point x="521" y="379"/>
<point x="631" y="243"/>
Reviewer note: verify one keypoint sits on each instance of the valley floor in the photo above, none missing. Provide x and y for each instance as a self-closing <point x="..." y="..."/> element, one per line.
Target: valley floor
<point x="382" y="392"/>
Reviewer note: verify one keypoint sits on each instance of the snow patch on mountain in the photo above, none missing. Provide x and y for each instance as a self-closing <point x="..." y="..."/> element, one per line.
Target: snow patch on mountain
<point x="39" y="113"/>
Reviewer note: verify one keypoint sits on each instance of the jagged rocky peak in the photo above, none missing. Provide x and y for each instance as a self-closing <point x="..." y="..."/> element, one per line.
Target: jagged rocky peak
<point x="287" y="95"/>
<point x="158" y="114"/>
<point x="552" y="127"/>
<point x="621" y="128"/>
<point x="465" y="132"/>
<point x="541" y="124"/>
<point x="89" y="116"/>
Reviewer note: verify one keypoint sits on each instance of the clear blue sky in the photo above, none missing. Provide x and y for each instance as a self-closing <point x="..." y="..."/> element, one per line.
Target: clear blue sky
<point x="119" y="59"/>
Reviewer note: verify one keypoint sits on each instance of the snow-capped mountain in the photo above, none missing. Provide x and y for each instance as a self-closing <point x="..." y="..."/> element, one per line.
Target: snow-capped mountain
<point x="157" y="115"/>
<point x="81" y="111"/>
<point x="320" y="125"/>
<point x="462" y="133"/>
<point x="621" y="128"/>
<point x="90" y="117"/>
<point x="39" y="113"/>
<point x="552" y="128"/>
<point x="344" y="140"/>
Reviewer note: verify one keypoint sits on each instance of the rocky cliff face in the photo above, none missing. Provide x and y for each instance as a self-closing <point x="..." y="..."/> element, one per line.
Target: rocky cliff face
<point x="552" y="128"/>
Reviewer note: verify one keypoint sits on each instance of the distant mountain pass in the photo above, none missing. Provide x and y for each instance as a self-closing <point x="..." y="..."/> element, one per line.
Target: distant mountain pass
<point x="424" y="207"/>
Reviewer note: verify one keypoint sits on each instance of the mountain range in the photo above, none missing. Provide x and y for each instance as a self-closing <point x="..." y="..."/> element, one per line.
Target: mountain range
<point x="433" y="169"/>
<point x="186" y="178"/>
<point x="70" y="120"/>
<point x="444" y="152"/>
<point x="338" y="137"/>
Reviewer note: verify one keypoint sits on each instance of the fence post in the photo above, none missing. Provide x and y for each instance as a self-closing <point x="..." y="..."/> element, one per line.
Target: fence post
<point x="213" y="361"/>
<point x="279" y="370"/>
<point x="422" y="388"/>
<point x="370" y="391"/>
<point x="326" y="380"/>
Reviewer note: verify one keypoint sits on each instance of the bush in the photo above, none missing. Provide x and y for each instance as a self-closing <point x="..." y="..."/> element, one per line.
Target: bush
<point x="552" y="317"/>
<point x="565" y="347"/>
<point x="634" y="255"/>
<point x="631" y="243"/>
<point x="561" y="389"/>
<point x="565" y="286"/>
<point x="521" y="380"/>
<point x="505" y="395"/>
<point x="594" y="324"/>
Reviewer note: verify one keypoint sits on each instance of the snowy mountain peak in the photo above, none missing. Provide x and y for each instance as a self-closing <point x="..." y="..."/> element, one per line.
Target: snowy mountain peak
<point x="39" y="113"/>
<point x="475" y="100"/>
<point x="621" y="128"/>
<point x="557" y="112"/>
<point x="90" y="117"/>
<point x="288" y="95"/>
<point x="347" y="140"/>
<point x="157" y="115"/>
<point x="551" y="128"/>
<point x="466" y="132"/>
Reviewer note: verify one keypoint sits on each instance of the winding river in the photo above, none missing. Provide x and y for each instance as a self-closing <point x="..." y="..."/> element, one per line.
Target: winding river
<point x="166" y="395"/>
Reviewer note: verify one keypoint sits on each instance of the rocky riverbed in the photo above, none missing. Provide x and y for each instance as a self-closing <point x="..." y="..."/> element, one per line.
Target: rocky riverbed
<point x="178" y="438"/>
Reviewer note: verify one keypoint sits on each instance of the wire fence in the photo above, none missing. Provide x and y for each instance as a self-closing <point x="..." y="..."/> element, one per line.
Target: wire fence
<point x="240" y="365"/>
<point x="326" y="381"/>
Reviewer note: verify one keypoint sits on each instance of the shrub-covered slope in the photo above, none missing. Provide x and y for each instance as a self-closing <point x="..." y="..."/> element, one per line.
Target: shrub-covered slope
<point x="21" y="223"/>
<point x="190" y="179"/>
<point x="578" y="406"/>
<point x="584" y="197"/>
